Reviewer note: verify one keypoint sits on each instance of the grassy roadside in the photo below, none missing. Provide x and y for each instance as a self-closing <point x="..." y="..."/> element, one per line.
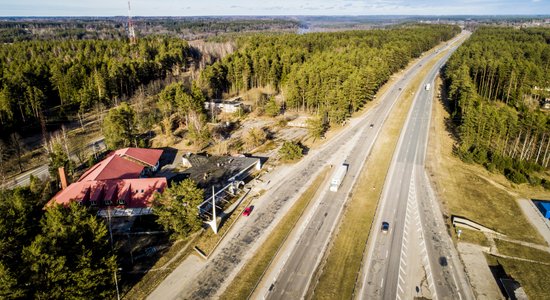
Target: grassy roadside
<point x="470" y="190"/>
<point x="474" y="237"/>
<point x="209" y="240"/>
<point x="205" y="240"/>
<point x="338" y="274"/>
<point x="161" y="269"/>
<point x="247" y="278"/>
<point x="516" y="250"/>
<point x="533" y="277"/>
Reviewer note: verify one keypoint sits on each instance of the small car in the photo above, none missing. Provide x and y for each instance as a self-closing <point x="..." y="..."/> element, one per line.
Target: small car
<point x="371" y="125"/>
<point x="385" y="226"/>
<point x="247" y="211"/>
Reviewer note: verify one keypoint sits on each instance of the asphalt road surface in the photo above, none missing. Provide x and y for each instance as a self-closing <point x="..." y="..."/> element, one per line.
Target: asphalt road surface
<point x="283" y="191"/>
<point x="299" y="263"/>
<point x="415" y="257"/>
<point x="42" y="172"/>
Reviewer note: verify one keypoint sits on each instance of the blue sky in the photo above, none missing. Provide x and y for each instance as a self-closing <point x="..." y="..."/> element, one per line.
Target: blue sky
<point x="270" y="7"/>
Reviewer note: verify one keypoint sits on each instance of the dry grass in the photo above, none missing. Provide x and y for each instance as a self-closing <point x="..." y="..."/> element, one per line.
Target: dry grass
<point x="516" y="250"/>
<point x="469" y="190"/>
<point x="159" y="271"/>
<point x="247" y="278"/>
<point x="339" y="273"/>
<point x="474" y="237"/>
<point x="533" y="277"/>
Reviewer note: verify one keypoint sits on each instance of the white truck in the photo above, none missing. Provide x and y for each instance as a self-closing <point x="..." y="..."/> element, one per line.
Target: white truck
<point x="338" y="177"/>
<point x="427" y="86"/>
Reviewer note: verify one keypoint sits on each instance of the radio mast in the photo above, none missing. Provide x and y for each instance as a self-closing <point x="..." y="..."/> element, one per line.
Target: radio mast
<point x="131" y="32"/>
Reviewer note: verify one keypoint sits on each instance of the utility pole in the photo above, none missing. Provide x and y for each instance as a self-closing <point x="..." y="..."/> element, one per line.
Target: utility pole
<point x="112" y="249"/>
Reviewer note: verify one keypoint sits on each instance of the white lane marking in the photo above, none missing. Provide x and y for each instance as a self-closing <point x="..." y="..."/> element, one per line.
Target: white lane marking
<point x="387" y="252"/>
<point x="454" y="279"/>
<point x="382" y="283"/>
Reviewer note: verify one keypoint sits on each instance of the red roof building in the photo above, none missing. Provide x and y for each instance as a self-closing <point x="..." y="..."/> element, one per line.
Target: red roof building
<point x="116" y="183"/>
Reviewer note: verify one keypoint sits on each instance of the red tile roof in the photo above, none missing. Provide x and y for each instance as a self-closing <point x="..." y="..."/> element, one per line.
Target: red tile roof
<point x="113" y="167"/>
<point x="122" y="164"/>
<point x="137" y="193"/>
<point x="117" y="178"/>
<point x="146" y="156"/>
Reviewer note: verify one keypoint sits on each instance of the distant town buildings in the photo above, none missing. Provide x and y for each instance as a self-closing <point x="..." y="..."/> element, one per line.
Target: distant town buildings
<point x="226" y="106"/>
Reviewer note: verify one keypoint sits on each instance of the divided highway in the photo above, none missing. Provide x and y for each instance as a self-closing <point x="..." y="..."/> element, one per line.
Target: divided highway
<point x="392" y="267"/>
<point x="300" y="257"/>
<point x="291" y="273"/>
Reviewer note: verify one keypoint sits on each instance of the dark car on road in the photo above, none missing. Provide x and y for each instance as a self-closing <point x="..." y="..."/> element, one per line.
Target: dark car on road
<point x="385" y="226"/>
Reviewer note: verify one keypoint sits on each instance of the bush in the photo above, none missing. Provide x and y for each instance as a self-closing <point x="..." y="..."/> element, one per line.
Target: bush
<point x="515" y="176"/>
<point x="479" y="155"/>
<point x="254" y="138"/>
<point x="491" y="167"/>
<point x="290" y="151"/>
<point x="272" y="109"/>
<point x="534" y="180"/>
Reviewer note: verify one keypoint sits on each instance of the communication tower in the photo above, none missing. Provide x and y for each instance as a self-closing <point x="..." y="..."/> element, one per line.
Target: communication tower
<point x="131" y="32"/>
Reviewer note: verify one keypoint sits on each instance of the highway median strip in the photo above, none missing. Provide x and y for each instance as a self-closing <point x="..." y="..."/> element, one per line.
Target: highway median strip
<point x="251" y="273"/>
<point x="339" y="272"/>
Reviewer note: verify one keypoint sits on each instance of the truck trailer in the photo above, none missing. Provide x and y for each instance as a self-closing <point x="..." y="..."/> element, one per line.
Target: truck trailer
<point x="338" y="177"/>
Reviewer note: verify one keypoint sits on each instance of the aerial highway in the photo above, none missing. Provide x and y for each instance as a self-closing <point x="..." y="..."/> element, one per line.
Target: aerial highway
<point x="415" y="257"/>
<point x="351" y="145"/>
<point x="291" y="273"/>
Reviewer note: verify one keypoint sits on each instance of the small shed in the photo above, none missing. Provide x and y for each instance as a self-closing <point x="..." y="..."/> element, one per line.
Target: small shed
<point x="544" y="207"/>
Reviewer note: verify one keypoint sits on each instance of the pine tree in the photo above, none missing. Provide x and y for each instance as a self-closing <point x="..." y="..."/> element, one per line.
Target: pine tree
<point x="177" y="210"/>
